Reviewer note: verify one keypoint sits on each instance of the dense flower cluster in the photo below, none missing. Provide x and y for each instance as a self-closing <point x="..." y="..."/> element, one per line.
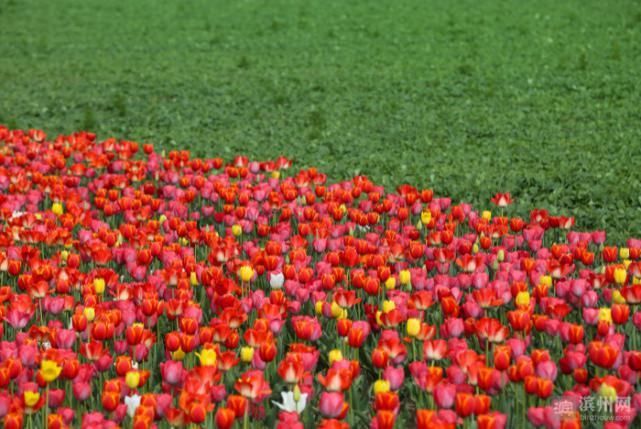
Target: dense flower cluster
<point x="143" y="290"/>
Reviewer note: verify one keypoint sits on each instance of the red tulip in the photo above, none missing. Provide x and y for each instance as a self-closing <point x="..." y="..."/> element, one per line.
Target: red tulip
<point x="225" y="418"/>
<point x="291" y="368"/>
<point x="252" y="385"/>
<point x="602" y="354"/>
<point x="494" y="420"/>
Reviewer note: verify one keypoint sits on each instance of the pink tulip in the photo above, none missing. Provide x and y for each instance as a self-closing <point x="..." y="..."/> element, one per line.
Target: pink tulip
<point x="81" y="391"/>
<point x="172" y="372"/>
<point x="331" y="404"/>
<point x="395" y="376"/>
<point x="444" y="394"/>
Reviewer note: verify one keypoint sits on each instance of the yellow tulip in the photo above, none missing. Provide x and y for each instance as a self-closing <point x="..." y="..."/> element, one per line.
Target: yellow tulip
<point x="405" y="277"/>
<point x="334" y="356"/>
<point x="381" y="386"/>
<point x="608" y="392"/>
<point x="178" y="354"/>
<point x="413" y="327"/>
<point x="236" y="230"/>
<point x="619" y="275"/>
<point x="90" y="313"/>
<point x="522" y="299"/>
<point x="390" y="283"/>
<point x="388" y="306"/>
<point x="318" y="307"/>
<point x="99" y="285"/>
<point x="193" y="279"/>
<point x="57" y="209"/>
<point x="336" y="310"/>
<point x="247" y="354"/>
<point x="487" y="215"/>
<point x="605" y="315"/>
<point x="246" y="273"/>
<point x="617" y="298"/>
<point x="50" y="370"/>
<point x="31" y="398"/>
<point x="132" y="378"/>
<point x="546" y="280"/>
<point x="207" y="357"/>
<point x="426" y="217"/>
<point x="624" y="253"/>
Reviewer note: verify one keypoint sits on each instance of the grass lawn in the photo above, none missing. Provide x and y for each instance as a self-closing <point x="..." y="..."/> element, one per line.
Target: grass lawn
<point x="540" y="99"/>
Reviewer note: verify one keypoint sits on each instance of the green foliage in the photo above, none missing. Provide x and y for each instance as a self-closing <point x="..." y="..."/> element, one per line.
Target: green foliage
<point x="536" y="98"/>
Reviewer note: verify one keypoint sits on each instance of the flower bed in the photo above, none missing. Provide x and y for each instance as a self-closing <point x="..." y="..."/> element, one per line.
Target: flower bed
<point x="143" y="290"/>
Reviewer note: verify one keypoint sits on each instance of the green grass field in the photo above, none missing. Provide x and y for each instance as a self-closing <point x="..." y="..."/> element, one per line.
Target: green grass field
<point x="540" y="99"/>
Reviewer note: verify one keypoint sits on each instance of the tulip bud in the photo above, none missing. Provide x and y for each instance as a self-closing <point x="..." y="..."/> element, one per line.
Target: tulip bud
<point x="297" y="393"/>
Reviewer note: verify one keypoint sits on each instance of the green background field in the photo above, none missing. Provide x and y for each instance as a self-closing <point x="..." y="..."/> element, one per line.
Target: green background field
<point x="540" y="99"/>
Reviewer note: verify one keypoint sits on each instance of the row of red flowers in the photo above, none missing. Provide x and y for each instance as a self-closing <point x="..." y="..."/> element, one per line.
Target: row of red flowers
<point x="139" y="289"/>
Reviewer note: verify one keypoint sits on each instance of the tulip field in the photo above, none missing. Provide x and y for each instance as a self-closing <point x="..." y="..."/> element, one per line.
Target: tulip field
<point x="150" y="289"/>
<point x="323" y="214"/>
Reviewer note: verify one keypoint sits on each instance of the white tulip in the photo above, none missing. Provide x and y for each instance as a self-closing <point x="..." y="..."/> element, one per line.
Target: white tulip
<point x="289" y="404"/>
<point x="276" y="280"/>
<point x="132" y="402"/>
